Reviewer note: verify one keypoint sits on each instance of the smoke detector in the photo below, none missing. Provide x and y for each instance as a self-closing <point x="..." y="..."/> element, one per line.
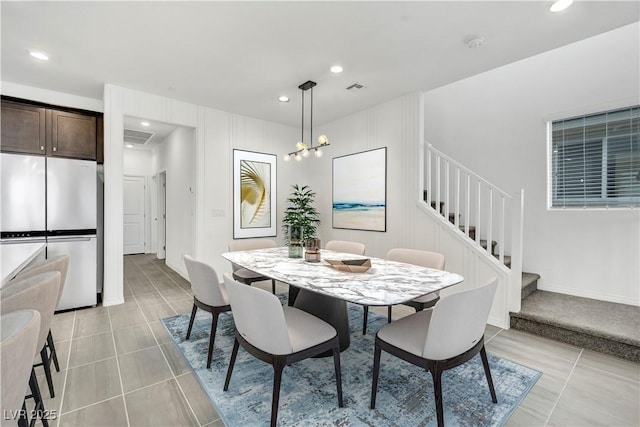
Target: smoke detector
<point x="475" y="42"/>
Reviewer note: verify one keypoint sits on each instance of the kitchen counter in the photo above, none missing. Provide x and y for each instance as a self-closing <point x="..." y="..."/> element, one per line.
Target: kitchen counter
<point x="15" y="257"/>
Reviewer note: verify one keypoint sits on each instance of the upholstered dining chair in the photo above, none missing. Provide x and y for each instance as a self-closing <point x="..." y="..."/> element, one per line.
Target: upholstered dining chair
<point x="278" y="335"/>
<point x="18" y="340"/>
<point x="355" y="248"/>
<point x="424" y="259"/>
<point x="208" y="294"/>
<point x="244" y="275"/>
<point x="58" y="263"/>
<point x="440" y="338"/>
<point x="35" y="293"/>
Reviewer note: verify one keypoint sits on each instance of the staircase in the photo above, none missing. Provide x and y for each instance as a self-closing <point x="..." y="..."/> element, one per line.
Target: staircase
<point x="601" y="326"/>
<point x="460" y="198"/>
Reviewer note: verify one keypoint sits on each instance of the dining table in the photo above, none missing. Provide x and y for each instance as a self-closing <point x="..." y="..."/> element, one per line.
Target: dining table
<point x="325" y="290"/>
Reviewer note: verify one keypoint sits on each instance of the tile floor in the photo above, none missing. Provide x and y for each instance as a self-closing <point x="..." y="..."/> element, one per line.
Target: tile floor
<point x="120" y="368"/>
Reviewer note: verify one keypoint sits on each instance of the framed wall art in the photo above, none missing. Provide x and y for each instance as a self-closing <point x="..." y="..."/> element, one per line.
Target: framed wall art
<point x="360" y="191"/>
<point x="254" y="194"/>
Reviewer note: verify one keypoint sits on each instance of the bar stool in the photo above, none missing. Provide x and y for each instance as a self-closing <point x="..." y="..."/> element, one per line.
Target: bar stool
<point x="35" y="293"/>
<point x="18" y="340"/>
<point x="61" y="264"/>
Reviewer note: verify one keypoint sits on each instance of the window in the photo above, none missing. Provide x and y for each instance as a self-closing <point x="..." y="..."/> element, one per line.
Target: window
<point x="595" y="160"/>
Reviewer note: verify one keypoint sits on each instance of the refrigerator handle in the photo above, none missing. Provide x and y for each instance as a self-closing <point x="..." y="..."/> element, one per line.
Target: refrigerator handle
<point x="70" y="239"/>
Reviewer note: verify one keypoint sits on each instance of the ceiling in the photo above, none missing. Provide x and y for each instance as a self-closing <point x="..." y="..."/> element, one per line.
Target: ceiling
<point x="240" y="56"/>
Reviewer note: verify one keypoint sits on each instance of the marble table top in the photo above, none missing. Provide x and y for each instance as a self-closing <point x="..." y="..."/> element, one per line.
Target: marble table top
<point x="16" y="256"/>
<point x="385" y="283"/>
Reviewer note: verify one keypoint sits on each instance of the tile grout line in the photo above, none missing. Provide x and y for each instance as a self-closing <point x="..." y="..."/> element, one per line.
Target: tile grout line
<point x="184" y="396"/>
<point x="124" y="401"/>
<point x="66" y="371"/>
<point x="546" y="423"/>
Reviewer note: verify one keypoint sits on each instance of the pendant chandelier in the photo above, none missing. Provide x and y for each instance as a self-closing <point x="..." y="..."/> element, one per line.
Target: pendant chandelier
<point x="302" y="148"/>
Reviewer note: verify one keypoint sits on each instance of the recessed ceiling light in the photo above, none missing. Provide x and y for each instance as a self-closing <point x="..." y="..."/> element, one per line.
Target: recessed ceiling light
<point x="336" y="69"/>
<point x="129" y="145"/>
<point x="560" y="5"/>
<point x="283" y="98"/>
<point x="145" y="124"/>
<point x="39" y="55"/>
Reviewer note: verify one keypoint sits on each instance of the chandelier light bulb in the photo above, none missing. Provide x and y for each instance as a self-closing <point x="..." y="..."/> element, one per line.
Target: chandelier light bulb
<point x="318" y="152"/>
<point x="305" y="153"/>
<point x="286" y="157"/>
<point x="323" y="140"/>
<point x="301" y="145"/>
<point x="298" y="157"/>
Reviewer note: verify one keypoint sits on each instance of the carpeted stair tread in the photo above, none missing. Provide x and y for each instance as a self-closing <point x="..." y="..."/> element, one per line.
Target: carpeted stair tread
<point x="529" y="283"/>
<point x="603" y="319"/>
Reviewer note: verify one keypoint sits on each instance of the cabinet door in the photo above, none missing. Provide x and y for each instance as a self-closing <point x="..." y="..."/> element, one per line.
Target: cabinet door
<point x="23" y="128"/>
<point x="73" y="135"/>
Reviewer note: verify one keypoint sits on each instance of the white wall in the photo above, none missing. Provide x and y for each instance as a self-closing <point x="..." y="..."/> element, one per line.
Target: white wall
<point x="217" y="133"/>
<point x="495" y="124"/>
<point x="137" y="162"/>
<point x="176" y="157"/>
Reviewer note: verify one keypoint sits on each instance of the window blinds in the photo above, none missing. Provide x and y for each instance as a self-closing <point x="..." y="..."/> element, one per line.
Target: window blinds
<point x="595" y="160"/>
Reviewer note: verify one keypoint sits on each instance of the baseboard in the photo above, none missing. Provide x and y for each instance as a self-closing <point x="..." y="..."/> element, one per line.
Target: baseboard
<point x="602" y="296"/>
<point x="112" y="301"/>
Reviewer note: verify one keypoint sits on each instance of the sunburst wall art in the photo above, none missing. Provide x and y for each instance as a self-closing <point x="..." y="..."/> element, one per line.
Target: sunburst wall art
<point x="254" y="194"/>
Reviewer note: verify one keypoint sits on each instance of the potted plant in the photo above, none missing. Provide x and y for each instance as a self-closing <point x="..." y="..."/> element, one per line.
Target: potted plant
<point x="300" y="215"/>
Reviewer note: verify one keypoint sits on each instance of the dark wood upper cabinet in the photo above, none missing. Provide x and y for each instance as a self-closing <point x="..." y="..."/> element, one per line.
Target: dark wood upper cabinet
<point x="73" y="135"/>
<point x="34" y="128"/>
<point x="23" y="128"/>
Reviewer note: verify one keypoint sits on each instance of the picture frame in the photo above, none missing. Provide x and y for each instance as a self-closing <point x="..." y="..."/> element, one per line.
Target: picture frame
<point x="360" y="191"/>
<point x="254" y="194"/>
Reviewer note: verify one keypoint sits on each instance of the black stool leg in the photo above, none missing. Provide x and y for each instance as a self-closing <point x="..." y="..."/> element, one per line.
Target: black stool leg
<point x="273" y="286"/>
<point x="37" y="397"/>
<point x="364" y="319"/>
<point x="52" y="350"/>
<point x="46" y="364"/>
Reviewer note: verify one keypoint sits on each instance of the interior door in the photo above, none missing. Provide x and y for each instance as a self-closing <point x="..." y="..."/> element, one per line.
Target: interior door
<point x="134" y="215"/>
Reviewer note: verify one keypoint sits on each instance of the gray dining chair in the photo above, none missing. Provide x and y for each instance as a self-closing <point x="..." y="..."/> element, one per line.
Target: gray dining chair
<point x="245" y="275"/>
<point x="208" y="294"/>
<point x="440" y="338"/>
<point x="58" y="263"/>
<point x="422" y="258"/>
<point x="18" y="340"/>
<point x="278" y="335"/>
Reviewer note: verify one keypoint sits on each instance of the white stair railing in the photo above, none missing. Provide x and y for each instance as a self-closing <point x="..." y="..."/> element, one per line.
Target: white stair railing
<point x="481" y="211"/>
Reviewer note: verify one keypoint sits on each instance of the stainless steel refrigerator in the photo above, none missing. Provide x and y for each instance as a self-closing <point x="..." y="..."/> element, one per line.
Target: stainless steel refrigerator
<point x="65" y="213"/>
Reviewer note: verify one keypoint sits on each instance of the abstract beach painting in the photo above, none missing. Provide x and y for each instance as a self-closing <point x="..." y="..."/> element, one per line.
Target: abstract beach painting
<point x="360" y="191"/>
<point x="254" y="184"/>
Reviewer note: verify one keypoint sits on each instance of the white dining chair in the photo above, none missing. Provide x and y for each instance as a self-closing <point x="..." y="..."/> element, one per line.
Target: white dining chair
<point x="245" y="275"/>
<point x="208" y="294"/>
<point x="422" y="258"/>
<point x="440" y="338"/>
<point x="277" y="335"/>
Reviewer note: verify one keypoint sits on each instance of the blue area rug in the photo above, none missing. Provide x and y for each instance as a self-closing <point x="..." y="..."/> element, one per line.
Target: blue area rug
<point x="308" y="393"/>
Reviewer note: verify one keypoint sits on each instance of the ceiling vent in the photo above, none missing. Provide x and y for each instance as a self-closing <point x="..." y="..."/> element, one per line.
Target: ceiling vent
<point x="355" y="86"/>
<point x="137" y="137"/>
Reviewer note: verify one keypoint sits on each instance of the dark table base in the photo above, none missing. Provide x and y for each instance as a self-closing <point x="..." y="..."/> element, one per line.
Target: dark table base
<point x="331" y="310"/>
